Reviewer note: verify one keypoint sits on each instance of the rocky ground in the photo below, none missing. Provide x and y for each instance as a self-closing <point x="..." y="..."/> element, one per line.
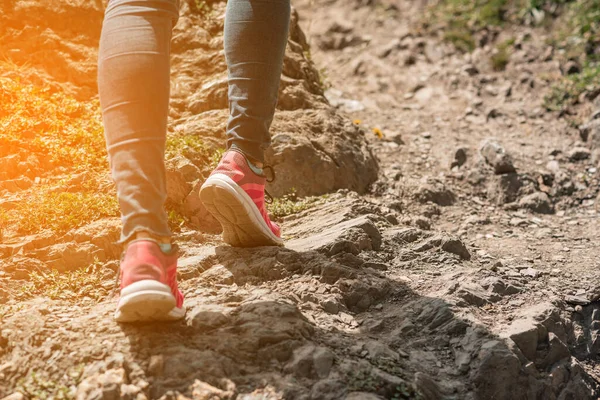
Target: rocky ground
<point x="448" y="251"/>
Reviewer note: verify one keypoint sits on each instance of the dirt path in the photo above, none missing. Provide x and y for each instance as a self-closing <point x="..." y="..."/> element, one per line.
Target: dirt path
<point x="457" y="260"/>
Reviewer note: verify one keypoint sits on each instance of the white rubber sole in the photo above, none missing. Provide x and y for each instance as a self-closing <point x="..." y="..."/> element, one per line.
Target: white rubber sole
<point x="147" y="300"/>
<point x="243" y="225"/>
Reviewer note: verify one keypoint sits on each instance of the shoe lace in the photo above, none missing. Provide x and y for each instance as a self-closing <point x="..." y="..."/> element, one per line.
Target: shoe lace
<point x="268" y="197"/>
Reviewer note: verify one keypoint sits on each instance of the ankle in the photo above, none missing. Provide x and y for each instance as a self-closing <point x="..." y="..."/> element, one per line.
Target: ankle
<point x="164" y="242"/>
<point x="148" y="235"/>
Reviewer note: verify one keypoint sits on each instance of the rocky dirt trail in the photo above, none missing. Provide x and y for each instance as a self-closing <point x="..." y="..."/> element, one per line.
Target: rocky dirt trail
<point x="450" y="252"/>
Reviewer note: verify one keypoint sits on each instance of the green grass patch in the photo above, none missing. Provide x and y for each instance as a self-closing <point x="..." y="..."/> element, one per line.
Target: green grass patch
<point x="584" y="18"/>
<point x="501" y="58"/>
<point x="567" y="91"/>
<point x="201" y="7"/>
<point x="291" y="204"/>
<point x="463" y="17"/>
<point x="64" y="285"/>
<point x="215" y="158"/>
<point x="59" y="130"/>
<point x="60" y="211"/>
<point x="37" y="385"/>
<point x="193" y="147"/>
<point x="175" y="219"/>
<point x="461" y="38"/>
<point x="177" y="144"/>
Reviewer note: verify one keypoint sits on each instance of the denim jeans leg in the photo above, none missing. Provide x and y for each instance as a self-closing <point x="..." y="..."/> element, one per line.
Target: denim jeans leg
<point x="256" y="34"/>
<point x="133" y="83"/>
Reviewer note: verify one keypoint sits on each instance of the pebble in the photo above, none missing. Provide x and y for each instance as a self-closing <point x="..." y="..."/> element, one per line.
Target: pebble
<point x="579" y="154"/>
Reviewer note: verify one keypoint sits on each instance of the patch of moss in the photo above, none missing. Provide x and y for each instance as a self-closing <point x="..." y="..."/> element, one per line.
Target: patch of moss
<point x="60" y="211"/>
<point x="501" y="58"/>
<point x="291" y="204"/>
<point x="463" y="17"/>
<point x="568" y="89"/>
<point x="37" y="385"/>
<point x="51" y="126"/>
<point x="176" y="144"/>
<point x="70" y="285"/>
<point x="462" y="39"/>
<point x="175" y="219"/>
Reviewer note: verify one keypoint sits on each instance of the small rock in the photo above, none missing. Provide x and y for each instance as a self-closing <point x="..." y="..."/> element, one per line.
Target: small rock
<point x="470" y="69"/>
<point x="378" y="350"/>
<point x="15" y="396"/>
<point x="553" y="166"/>
<point x="330" y="306"/>
<point x="207" y="319"/>
<point x="492" y="113"/>
<point x="576" y="300"/>
<point x="406" y="328"/>
<point x="590" y="133"/>
<point x="499" y="286"/>
<point x="530" y="369"/>
<point x="507" y="188"/>
<point x="132" y="392"/>
<point x="177" y="186"/>
<point x="537" y="202"/>
<point x="498" y="366"/>
<point x="404" y="235"/>
<point x="340" y="26"/>
<point x="156" y="365"/>
<point x="571" y="67"/>
<point x="218" y="274"/>
<point x="563" y="184"/>
<point x="322" y="361"/>
<point x="462" y="359"/>
<point x="579" y="153"/>
<point x="460" y="157"/>
<point x="530" y="272"/>
<point x="105" y="386"/>
<point x="423" y="222"/>
<point x="525" y="336"/>
<point x="435" y="192"/>
<point x="495" y="155"/>
<point x="186" y="167"/>
<point x="475" y="295"/>
<point x="558" y="351"/>
<point x="204" y="391"/>
<point x="456" y="246"/>
<point x="558" y="377"/>
<point x="427" y="387"/>
<point x="310" y="361"/>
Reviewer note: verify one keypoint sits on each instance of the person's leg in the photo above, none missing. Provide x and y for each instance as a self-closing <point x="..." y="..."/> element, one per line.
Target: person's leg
<point x="255" y="38"/>
<point x="133" y="82"/>
<point x="256" y="34"/>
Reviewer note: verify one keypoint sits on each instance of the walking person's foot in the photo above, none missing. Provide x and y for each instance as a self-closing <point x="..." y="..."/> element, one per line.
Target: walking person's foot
<point x="235" y="195"/>
<point x="149" y="289"/>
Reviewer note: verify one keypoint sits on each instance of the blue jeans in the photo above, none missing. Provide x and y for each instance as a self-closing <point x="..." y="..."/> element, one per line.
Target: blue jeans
<point x="133" y="83"/>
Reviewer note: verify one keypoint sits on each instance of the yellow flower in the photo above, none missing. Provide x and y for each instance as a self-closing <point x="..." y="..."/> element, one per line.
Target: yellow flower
<point x="356" y="122"/>
<point x="378" y="133"/>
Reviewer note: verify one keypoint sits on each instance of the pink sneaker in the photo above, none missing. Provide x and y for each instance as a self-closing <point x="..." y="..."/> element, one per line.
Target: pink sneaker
<point x="149" y="284"/>
<point x="235" y="195"/>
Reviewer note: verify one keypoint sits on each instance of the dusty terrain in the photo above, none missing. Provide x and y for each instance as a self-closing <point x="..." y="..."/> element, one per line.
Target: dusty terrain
<point x="449" y="249"/>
